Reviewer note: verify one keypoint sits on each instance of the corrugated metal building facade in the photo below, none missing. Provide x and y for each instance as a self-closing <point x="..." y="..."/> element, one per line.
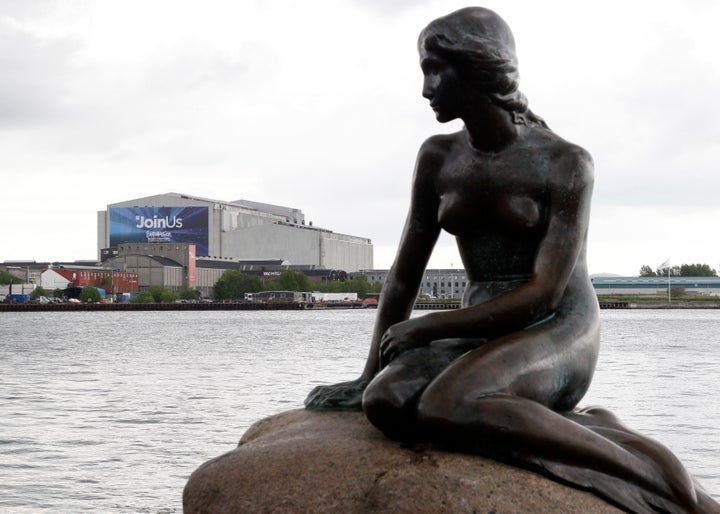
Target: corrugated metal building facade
<point x="237" y="230"/>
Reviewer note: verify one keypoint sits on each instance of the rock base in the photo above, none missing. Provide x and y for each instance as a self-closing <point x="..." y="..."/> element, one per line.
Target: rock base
<point x="302" y="461"/>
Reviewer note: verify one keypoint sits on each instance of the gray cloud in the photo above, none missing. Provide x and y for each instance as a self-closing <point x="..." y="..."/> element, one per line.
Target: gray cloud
<point x="34" y="85"/>
<point x="318" y="106"/>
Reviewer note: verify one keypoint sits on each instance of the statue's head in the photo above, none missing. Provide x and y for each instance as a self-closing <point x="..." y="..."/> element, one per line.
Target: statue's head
<point x="480" y="46"/>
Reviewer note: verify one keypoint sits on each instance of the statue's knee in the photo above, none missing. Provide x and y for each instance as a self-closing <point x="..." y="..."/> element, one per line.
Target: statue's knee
<point x="390" y="411"/>
<point x="379" y="402"/>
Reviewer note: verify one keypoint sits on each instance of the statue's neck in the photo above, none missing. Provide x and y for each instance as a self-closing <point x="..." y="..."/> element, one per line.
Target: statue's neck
<point x="490" y="128"/>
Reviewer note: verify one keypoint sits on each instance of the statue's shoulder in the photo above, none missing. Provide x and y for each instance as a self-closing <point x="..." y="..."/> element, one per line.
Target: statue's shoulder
<point x="441" y="144"/>
<point x="555" y="146"/>
<point x="570" y="162"/>
<point x="433" y="154"/>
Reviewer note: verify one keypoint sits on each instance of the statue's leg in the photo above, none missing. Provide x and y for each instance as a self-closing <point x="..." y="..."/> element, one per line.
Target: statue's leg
<point x="390" y="400"/>
<point x="522" y="432"/>
<point x="496" y="401"/>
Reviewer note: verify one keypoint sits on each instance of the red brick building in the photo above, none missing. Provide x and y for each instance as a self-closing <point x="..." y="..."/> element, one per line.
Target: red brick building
<point x="113" y="282"/>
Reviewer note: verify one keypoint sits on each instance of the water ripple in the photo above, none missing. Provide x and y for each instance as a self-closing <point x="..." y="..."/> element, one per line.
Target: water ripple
<point x="111" y="412"/>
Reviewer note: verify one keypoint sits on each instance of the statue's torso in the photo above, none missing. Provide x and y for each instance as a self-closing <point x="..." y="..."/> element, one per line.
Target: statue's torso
<point x="496" y="204"/>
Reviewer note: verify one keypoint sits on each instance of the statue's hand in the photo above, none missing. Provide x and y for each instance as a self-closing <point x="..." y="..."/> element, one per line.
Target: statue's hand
<point x="345" y="396"/>
<point x="398" y="339"/>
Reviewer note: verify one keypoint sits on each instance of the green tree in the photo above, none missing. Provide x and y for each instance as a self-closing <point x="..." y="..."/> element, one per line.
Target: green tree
<point x="162" y="295"/>
<point x="156" y="292"/>
<point x="168" y="296"/>
<point x="8" y="278"/>
<point x="90" y="294"/>
<point x="647" y="271"/>
<point x="144" y="297"/>
<point x="684" y="270"/>
<point x="234" y="284"/>
<point x="697" y="270"/>
<point x="358" y="284"/>
<point x="673" y="271"/>
<point x="361" y="285"/>
<point x="677" y="291"/>
<point x="290" y="280"/>
<point x="57" y="293"/>
<point x="188" y="293"/>
<point x="332" y="286"/>
<point x="37" y="293"/>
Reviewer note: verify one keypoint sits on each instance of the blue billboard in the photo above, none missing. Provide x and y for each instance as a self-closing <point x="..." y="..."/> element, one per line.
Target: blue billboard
<point x="160" y="225"/>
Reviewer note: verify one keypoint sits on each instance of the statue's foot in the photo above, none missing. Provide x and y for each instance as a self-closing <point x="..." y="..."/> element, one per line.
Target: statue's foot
<point x="346" y="396"/>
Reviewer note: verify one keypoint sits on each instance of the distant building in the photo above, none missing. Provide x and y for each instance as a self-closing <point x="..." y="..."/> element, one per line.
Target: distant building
<point x="62" y="275"/>
<point x="655" y="285"/>
<point x="170" y="266"/>
<point x="175" y="266"/>
<point x="237" y="230"/>
<point x="27" y="271"/>
<point x="440" y="283"/>
<point x="451" y="283"/>
<point x="113" y="282"/>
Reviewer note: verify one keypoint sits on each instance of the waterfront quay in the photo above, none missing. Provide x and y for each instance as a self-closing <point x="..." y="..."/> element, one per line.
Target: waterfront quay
<point x="294" y="306"/>
<point x="200" y="306"/>
<point x="660" y="305"/>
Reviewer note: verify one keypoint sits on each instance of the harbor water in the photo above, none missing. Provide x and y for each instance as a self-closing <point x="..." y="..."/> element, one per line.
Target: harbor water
<point x="112" y="411"/>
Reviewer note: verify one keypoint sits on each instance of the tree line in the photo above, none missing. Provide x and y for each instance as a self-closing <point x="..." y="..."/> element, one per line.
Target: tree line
<point x="683" y="270"/>
<point x="234" y="285"/>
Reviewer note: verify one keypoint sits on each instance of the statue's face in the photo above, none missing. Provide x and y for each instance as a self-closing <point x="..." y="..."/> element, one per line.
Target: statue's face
<point x="442" y="85"/>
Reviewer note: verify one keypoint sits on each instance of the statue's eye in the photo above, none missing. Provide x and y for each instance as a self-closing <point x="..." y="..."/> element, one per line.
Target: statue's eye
<point x="430" y="66"/>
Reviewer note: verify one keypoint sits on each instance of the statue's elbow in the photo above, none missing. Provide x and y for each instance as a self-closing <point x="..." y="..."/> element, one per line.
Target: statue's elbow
<point x="549" y="301"/>
<point x="555" y="300"/>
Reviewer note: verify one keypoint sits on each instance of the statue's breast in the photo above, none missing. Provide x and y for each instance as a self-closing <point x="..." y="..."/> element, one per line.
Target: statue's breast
<point x="462" y="212"/>
<point x="518" y="211"/>
<point x="504" y="193"/>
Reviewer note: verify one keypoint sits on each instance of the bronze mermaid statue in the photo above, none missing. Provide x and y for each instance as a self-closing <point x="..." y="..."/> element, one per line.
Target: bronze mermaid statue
<point x="502" y="375"/>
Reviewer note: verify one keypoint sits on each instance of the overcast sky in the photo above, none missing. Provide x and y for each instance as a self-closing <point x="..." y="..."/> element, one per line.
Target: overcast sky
<point x="317" y="105"/>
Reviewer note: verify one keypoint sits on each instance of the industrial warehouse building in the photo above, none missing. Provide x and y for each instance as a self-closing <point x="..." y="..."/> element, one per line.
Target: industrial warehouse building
<point x="237" y="230"/>
<point x="451" y="283"/>
<point x="175" y="266"/>
<point x="707" y="286"/>
<point x="439" y="283"/>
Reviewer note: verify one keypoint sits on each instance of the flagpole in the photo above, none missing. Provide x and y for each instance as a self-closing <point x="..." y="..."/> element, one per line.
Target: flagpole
<point x="663" y="266"/>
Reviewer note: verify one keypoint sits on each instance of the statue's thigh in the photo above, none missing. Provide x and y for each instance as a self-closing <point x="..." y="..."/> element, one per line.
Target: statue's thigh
<point x="527" y="363"/>
<point x="406" y="377"/>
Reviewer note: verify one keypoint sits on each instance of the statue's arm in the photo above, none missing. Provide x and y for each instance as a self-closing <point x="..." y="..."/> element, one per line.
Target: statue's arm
<point x="418" y="239"/>
<point x="401" y="286"/>
<point x="570" y="192"/>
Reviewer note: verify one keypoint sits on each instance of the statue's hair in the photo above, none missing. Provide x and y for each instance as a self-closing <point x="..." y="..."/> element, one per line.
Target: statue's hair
<point x="481" y="46"/>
